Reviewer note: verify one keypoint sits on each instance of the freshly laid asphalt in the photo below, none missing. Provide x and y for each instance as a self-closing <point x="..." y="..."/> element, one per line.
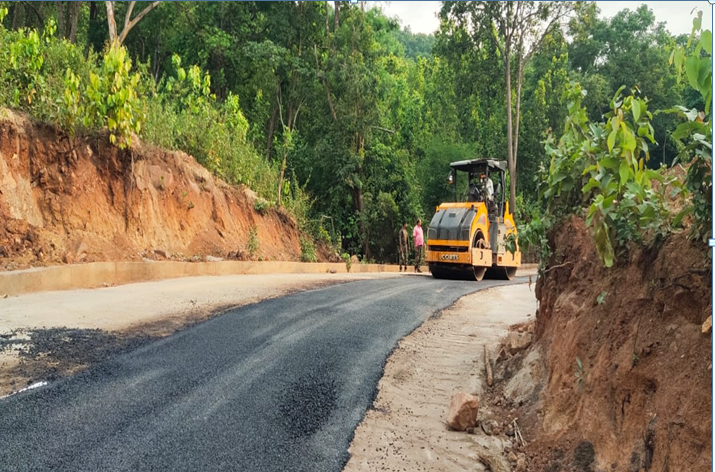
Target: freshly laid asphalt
<point x="276" y="386"/>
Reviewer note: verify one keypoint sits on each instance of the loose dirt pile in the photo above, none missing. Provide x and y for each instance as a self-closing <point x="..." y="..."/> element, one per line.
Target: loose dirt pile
<point x="627" y="373"/>
<point x="83" y="200"/>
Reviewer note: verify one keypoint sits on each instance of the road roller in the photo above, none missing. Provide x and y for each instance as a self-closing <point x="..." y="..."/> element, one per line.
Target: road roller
<point x="474" y="235"/>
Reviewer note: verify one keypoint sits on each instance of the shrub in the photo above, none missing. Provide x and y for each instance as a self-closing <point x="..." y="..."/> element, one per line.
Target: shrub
<point x="307" y="250"/>
<point x="348" y="261"/>
<point x="261" y="206"/>
<point x="602" y="167"/>
<point x="253" y="243"/>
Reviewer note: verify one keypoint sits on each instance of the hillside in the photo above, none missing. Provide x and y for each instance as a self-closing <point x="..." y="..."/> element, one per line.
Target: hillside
<point x="628" y="359"/>
<point x="90" y="201"/>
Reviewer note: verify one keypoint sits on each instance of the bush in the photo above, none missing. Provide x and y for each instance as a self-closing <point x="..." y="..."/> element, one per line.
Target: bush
<point x="602" y="167"/>
<point x="348" y="261"/>
<point x="54" y="81"/>
<point x="261" y="206"/>
<point x="307" y="250"/>
<point x="693" y="136"/>
<point x="253" y="242"/>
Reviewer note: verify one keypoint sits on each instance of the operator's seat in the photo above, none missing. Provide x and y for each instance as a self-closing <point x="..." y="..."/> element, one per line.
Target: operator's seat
<point x="474" y="195"/>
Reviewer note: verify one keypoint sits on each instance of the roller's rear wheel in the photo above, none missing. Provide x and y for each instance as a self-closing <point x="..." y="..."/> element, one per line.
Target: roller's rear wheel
<point x="479" y="273"/>
<point x="501" y="273"/>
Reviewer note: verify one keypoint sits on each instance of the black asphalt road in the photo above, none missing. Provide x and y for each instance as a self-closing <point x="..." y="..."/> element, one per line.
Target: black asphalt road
<point x="276" y="386"/>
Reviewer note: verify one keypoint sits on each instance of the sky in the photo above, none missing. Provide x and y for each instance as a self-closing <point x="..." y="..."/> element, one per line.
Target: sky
<point x="420" y="16"/>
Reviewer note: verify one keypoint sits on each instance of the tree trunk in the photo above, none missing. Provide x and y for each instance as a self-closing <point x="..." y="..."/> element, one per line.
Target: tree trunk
<point x="513" y="173"/>
<point x="92" y="11"/>
<point x="327" y="18"/>
<point x="337" y="16"/>
<point x="111" y="23"/>
<point x="17" y="13"/>
<point x="60" y="7"/>
<point x="280" y="180"/>
<point x="509" y="131"/>
<point x="73" y="21"/>
<point x="271" y="130"/>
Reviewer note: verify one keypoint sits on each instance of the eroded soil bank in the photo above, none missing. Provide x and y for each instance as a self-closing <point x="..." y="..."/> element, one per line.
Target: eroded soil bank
<point x="629" y="384"/>
<point x="83" y="200"/>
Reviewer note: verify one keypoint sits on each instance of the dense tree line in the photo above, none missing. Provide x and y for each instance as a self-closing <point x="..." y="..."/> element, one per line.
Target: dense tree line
<point x="358" y="117"/>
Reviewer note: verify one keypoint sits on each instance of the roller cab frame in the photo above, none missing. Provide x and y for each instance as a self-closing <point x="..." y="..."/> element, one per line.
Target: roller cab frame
<point x="465" y="239"/>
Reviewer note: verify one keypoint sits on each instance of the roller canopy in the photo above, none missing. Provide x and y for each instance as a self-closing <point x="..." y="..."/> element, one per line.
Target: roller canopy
<point x="477" y="164"/>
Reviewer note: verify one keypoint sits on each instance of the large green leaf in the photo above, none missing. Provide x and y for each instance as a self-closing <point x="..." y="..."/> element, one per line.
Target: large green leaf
<point x="692" y="66"/>
<point x="636" y="110"/>
<point x="592" y="183"/>
<point x="706" y="40"/>
<point x="629" y="141"/>
<point x="679" y="217"/>
<point x="611" y="140"/>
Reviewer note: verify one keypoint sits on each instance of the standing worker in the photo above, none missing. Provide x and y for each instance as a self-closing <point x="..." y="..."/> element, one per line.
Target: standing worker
<point x="404" y="245"/>
<point x="419" y="244"/>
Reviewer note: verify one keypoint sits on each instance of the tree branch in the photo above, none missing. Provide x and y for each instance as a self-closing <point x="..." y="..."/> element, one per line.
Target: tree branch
<point x="136" y="20"/>
<point x="39" y="16"/>
<point x="383" y="129"/>
<point x="128" y="16"/>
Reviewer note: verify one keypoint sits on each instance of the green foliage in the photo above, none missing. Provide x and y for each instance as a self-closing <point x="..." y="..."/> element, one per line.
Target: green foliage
<point x="534" y="236"/>
<point x="253" y="243"/>
<point x="693" y="136"/>
<point x="580" y="374"/>
<point x="511" y="243"/>
<point x="601" y="298"/>
<point x="261" y="206"/>
<point x="184" y="114"/>
<point x="603" y="166"/>
<point x="25" y="60"/>
<point x="348" y="261"/>
<point x="307" y="250"/>
<point x="356" y="125"/>
<point x="112" y="99"/>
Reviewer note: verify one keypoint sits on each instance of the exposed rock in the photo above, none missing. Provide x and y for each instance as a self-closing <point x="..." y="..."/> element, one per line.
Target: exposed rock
<point x="517" y="342"/>
<point x="512" y="457"/>
<point x="333" y="271"/>
<point x="463" y="410"/>
<point x="528" y="380"/>
<point x="708" y="325"/>
<point x="496" y="462"/>
<point x="520" y="463"/>
<point x="354" y="260"/>
<point x="508" y="446"/>
<point x="496" y="428"/>
<point x="162" y="253"/>
<point x="213" y="259"/>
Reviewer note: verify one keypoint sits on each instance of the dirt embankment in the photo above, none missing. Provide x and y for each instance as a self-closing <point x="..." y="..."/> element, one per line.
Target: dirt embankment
<point x="629" y="370"/>
<point x="87" y="201"/>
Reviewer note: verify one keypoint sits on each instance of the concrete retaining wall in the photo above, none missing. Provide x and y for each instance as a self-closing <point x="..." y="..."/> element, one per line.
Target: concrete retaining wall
<point x="97" y="274"/>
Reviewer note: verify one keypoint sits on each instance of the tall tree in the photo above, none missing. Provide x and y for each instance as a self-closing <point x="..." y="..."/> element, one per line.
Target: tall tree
<point x="516" y="30"/>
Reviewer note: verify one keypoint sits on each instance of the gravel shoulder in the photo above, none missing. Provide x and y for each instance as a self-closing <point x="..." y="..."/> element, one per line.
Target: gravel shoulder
<point x="405" y="428"/>
<point x="52" y="334"/>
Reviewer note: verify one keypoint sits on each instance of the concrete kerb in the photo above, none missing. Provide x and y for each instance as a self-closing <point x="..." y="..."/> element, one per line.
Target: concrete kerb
<point x="99" y="274"/>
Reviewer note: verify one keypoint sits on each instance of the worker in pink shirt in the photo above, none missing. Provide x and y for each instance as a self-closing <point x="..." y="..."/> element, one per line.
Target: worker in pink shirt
<point x="419" y="244"/>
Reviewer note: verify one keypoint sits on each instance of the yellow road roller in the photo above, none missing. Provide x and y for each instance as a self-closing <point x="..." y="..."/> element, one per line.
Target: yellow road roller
<point x="468" y="238"/>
